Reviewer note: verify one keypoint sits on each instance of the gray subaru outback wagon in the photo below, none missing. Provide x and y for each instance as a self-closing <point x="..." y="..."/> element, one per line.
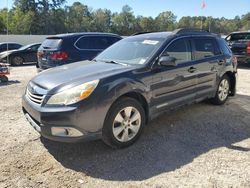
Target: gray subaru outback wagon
<point x="129" y="84"/>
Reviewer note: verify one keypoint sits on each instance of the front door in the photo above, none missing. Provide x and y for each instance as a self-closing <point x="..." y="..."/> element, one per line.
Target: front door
<point x="174" y="85"/>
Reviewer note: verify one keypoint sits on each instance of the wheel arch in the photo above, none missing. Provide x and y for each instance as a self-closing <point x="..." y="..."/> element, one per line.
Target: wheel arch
<point x="232" y="78"/>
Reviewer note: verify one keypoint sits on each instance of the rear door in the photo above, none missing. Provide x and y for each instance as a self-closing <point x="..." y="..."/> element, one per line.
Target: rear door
<point x="174" y="86"/>
<point x="209" y="60"/>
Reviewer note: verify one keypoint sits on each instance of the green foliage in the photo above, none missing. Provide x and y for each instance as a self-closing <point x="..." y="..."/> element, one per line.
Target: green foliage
<point x="49" y="17"/>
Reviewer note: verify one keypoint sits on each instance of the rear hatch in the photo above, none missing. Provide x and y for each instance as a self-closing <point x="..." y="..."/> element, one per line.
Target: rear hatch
<point x="46" y="53"/>
<point x="238" y="42"/>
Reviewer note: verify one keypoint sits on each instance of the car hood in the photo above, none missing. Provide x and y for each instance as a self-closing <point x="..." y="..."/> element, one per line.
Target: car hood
<point x="76" y="73"/>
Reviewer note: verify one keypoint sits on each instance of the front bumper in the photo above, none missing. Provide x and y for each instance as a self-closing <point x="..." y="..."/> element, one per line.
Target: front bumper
<point x="44" y="119"/>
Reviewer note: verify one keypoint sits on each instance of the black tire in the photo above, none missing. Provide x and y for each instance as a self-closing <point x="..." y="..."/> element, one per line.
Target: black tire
<point x="218" y="100"/>
<point x="4" y="79"/>
<point x="117" y="108"/>
<point x="17" y="61"/>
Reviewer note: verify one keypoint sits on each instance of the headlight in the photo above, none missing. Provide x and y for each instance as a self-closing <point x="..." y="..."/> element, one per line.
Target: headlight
<point x="73" y="95"/>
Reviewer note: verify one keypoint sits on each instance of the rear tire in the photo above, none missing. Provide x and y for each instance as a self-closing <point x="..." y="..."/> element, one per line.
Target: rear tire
<point x="222" y="92"/>
<point x="17" y="61"/>
<point x="124" y="123"/>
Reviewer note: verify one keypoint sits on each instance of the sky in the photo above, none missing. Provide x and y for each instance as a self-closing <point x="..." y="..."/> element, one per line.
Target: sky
<point x="215" y="8"/>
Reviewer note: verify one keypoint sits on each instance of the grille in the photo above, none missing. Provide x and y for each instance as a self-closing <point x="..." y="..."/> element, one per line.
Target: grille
<point x="36" y="98"/>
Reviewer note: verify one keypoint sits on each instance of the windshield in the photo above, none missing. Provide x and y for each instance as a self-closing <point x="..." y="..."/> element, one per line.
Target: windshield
<point x="24" y="47"/>
<point x="131" y="51"/>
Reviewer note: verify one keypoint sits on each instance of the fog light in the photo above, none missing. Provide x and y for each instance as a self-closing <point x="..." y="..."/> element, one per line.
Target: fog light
<point x="65" y="132"/>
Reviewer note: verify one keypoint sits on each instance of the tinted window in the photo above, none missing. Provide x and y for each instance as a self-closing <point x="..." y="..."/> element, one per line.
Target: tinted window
<point x="205" y="48"/>
<point x="112" y="40"/>
<point x="83" y="43"/>
<point x="14" y="46"/>
<point x="4" y="46"/>
<point x="35" y="47"/>
<point x="180" y="49"/>
<point x="224" y="47"/>
<point x="94" y="42"/>
<point x="51" y="43"/>
<point x="238" y="36"/>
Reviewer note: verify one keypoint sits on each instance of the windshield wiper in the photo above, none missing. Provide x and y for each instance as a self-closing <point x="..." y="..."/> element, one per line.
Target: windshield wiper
<point x="115" y="62"/>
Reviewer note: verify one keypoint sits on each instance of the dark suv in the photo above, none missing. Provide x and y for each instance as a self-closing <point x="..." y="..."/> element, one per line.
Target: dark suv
<point x="239" y="42"/>
<point x="68" y="48"/>
<point x="128" y="84"/>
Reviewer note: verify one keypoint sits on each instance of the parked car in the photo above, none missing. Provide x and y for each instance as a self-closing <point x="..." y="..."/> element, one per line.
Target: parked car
<point x="25" y="54"/>
<point x="68" y="48"/>
<point x="4" y="46"/>
<point x="239" y="42"/>
<point x="129" y="84"/>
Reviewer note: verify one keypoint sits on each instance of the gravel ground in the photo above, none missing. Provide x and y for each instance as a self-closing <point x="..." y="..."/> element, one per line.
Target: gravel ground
<point x="197" y="146"/>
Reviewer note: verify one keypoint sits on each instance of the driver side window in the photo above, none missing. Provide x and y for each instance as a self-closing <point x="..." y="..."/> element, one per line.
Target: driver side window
<point x="179" y="49"/>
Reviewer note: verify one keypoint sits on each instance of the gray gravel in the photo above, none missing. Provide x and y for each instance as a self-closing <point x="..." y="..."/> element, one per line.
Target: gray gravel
<point x="197" y="146"/>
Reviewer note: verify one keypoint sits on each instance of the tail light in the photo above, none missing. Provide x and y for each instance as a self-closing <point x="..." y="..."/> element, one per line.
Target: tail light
<point x="39" y="55"/>
<point x="59" y="56"/>
<point x="248" y="47"/>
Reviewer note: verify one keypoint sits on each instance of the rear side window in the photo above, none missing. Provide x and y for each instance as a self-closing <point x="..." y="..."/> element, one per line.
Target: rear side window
<point x="51" y="43"/>
<point x="4" y="46"/>
<point x="180" y="49"/>
<point x="205" y="48"/>
<point x="224" y="47"/>
<point x="95" y="42"/>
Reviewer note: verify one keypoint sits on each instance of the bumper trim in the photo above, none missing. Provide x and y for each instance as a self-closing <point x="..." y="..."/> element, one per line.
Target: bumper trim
<point x="33" y="123"/>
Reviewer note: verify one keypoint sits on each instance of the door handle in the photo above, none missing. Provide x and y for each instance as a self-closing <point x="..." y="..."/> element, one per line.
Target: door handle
<point x="192" y="69"/>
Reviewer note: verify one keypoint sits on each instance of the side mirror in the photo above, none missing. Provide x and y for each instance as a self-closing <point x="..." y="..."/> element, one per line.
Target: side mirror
<point x="168" y="61"/>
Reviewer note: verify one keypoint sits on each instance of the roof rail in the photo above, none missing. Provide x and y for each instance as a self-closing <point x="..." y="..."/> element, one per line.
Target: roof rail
<point x="139" y="33"/>
<point x="190" y="30"/>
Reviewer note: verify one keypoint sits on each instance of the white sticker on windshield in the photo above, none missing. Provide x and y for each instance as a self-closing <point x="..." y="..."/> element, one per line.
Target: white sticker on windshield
<point x="142" y="61"/>
<point x="152" y="42"/>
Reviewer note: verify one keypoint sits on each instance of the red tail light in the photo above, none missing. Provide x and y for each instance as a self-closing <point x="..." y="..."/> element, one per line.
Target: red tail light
<point x="59" y="56"/>
<point x="248" y="47"/>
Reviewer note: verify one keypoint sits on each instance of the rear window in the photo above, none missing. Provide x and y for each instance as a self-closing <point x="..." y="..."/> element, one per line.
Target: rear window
<point x="51" y="43"/>
<point x="239" y="36"/>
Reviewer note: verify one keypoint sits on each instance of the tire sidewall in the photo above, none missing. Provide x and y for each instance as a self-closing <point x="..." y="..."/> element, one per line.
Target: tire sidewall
<point x="217" y="98"/>
<point x="13" y="61"/>
<point x="108" y="135"/>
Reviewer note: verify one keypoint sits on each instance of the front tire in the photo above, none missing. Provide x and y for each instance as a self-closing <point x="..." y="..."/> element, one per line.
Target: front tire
<point x="124" y="123"/>
<point x="222" y="92"/>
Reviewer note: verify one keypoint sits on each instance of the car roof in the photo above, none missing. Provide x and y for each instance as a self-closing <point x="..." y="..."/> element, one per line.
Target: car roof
<point x="69" y="35"/>
<point x="177" y="32"/>
<point x="9" y="43"/>
<point x="239" y="32"/>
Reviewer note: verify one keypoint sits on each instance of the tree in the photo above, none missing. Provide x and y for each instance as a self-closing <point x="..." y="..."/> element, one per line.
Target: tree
<point x="78" y="18"/>
<point x="165" y="21"/>
<point x="101" y="21"/>
<point x="123" y="23"/>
